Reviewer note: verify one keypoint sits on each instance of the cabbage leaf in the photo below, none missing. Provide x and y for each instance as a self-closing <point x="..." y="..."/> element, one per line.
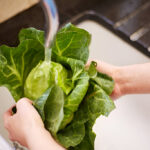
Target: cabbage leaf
<point x="17" y="62"/>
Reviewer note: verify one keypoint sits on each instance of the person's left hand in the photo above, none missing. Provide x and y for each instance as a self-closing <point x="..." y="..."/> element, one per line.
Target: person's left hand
<point x="112" y="71"/>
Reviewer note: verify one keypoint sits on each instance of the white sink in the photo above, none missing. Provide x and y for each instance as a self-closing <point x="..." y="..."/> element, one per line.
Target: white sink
<point x="6" y="101"/>
<point x="128" y="126"/>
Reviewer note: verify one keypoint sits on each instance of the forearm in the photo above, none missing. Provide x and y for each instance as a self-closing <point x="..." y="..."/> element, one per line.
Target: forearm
<point x="134" y="79"/>
<point x="41" y="139"/>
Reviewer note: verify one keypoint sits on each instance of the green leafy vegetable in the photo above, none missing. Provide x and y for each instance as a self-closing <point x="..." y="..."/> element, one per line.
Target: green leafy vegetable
<point x="73" y="100"/>
<point x="50" y="106"/>
<point x="68" y="97"/>
<point x="72" y="135"/>
<point x="71" y="42"/>
<point x="17" y="62"/>
<point x="43" y="76"/>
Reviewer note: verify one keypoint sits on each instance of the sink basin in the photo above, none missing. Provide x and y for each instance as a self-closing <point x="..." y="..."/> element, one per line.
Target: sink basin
<point x="128" y="126"/>
<point x="6" y="101"/>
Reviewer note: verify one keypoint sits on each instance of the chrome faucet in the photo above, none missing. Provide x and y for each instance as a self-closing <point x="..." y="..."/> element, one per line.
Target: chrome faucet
<point x="52" y="16"/>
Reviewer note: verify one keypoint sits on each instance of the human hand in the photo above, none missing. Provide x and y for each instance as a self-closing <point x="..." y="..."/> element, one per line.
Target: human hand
<point x="21" y="123"/>
<point x="27" y="128"/>
<point x="112" y="71"/>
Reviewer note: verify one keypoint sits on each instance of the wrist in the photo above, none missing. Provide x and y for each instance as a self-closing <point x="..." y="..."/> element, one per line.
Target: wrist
<point x="32" y="135"/>
<point x="40" y="138"/>
<point x="119" y="89"/>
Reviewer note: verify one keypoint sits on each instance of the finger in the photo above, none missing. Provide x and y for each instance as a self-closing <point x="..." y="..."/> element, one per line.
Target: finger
<point x="8" y="113"/>
<point x="6" y="117"/>
<point x="89" y="62"/>
<point x="26" y="100"/>
<point x="23" y="101"/>
<point x="24" y="104"/>
<point x="101" y="66"/>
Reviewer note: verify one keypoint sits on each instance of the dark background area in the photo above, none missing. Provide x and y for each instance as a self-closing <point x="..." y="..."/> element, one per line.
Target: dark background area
<point x="126" y="18"/>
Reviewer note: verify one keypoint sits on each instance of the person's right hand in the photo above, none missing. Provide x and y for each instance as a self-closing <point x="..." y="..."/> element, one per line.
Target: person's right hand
<point x="113" y="72"/>
<point x="23" y="122"/>
<point x="27" y="128"/>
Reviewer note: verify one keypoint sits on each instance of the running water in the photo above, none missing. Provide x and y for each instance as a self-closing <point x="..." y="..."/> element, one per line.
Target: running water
<point x="53" y="26"/>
